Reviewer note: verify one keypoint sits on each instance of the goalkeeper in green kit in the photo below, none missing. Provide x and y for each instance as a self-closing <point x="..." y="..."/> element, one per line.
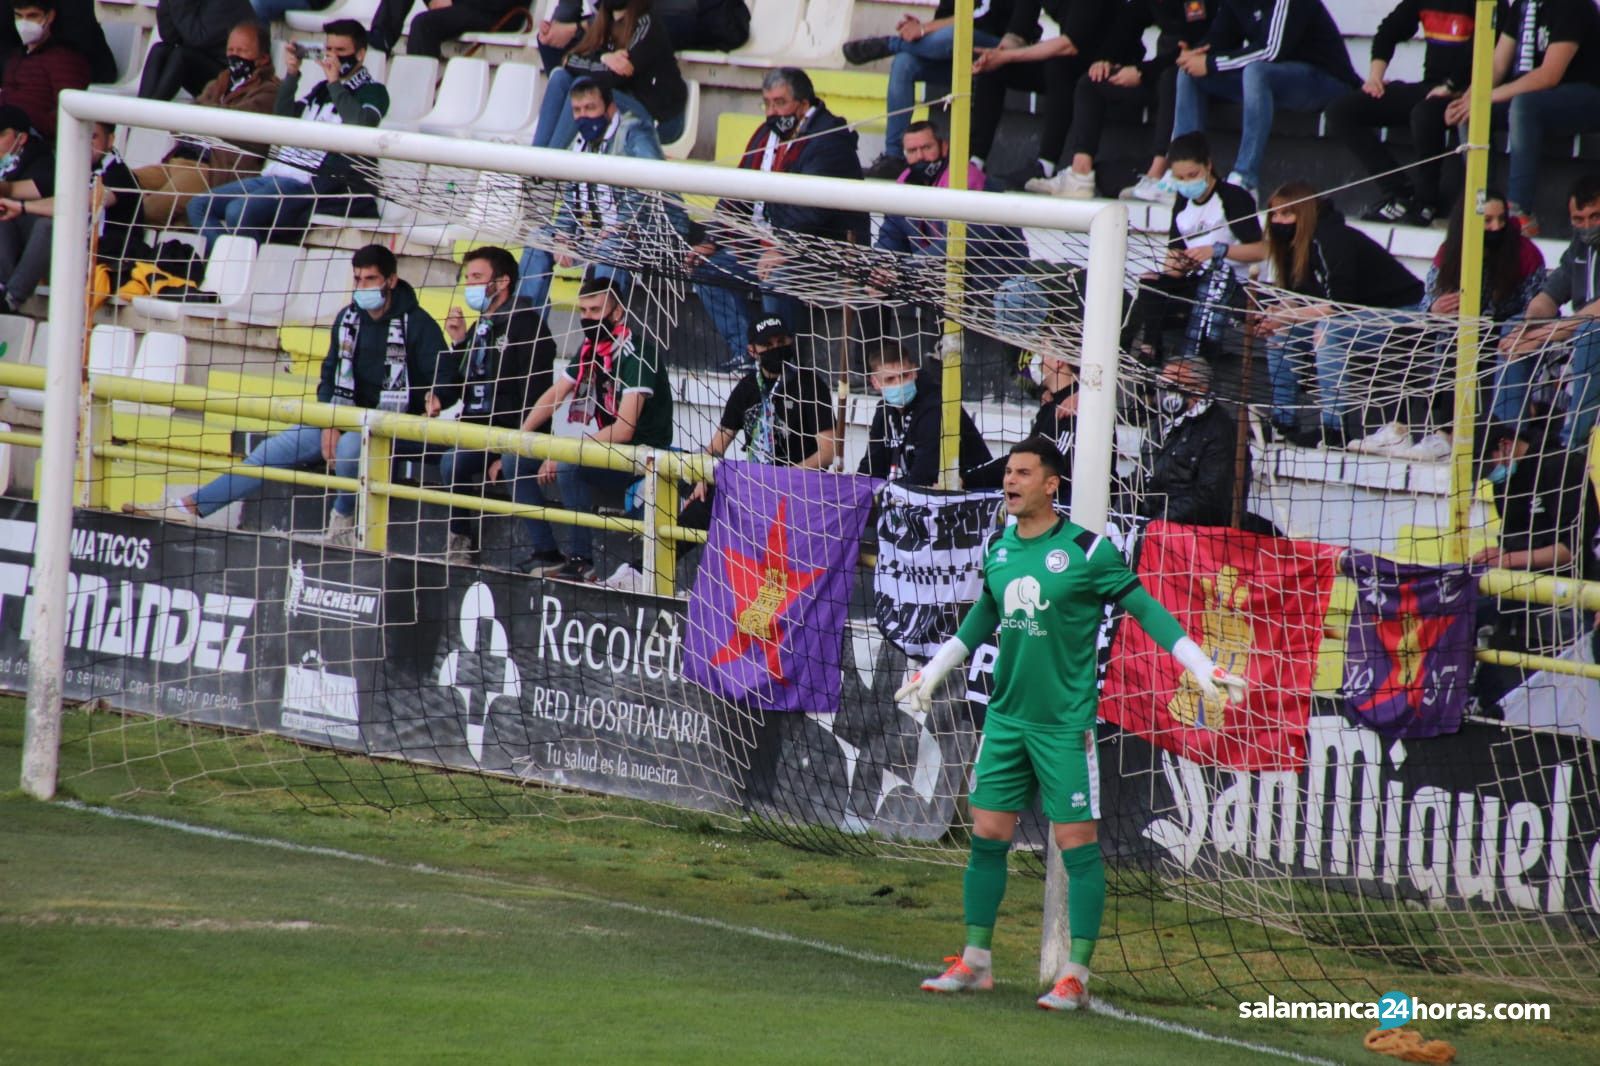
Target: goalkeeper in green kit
<point x="1045" y="586"/>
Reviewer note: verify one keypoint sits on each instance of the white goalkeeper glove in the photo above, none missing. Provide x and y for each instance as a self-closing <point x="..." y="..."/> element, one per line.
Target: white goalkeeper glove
<point x="1214" y="682"/>
<point x="917" y="692"/>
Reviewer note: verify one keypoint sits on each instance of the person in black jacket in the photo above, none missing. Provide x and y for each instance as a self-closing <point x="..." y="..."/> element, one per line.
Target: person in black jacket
<point x="1285" y="53"/>
<point x="625" y="48"/>
<point x="1323" y="263"/>
<point x="430" y="29"/>
<point x="903" y="440"/>
<point x="1120" y="75"/>
<point x="193" y="45"/>
<point x="1191" y="461"/>
<point x="1056" y="421"/>
<point x="506" y="361"/>
<point x="1411" y="197"/>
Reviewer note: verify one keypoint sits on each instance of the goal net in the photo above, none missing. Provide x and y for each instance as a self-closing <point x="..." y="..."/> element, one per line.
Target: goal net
<point x="379" y="599"/>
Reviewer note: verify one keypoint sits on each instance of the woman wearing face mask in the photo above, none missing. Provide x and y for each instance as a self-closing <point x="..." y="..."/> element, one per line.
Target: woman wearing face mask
<point x="626" y="49"/>
<point x="1056" y="420"/>
<point x="1328" y="277"/>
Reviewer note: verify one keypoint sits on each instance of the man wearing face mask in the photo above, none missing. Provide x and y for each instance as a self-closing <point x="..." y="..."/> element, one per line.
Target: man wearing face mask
<point x="301" y="181"/>
<point x="194" y="166"/>
<point x="191" y="51"/>
<point x="615" y="391"/>
<point x="784" y="412"/>
<point x="383" y="354"/>
<point x="903" y="440"/>
<point x="1056" y="421"/>
<point x="77" y="26"/>
<point x="505" y="361"/>
<point x="1189" y="461"/>
<point x="35" y="73"/>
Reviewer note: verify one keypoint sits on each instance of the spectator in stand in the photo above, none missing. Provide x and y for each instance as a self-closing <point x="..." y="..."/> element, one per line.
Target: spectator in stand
<point x="36" y="72"/>
<point x="383" y="354"/>
<point x="1050" y="67"/>
<point x="193" y="47"/>
<point x="27" y="207"/>
<point x="921" y="52"/>
<point x="505" y="362"/>
<point x="1411" y="196"/>
<point x="1513" y="274"/>
<point x="800" y="136"/>
<point x="1282" y="54"/>
<point x="77" y="27"/>
<point x="1190" y="461"/>
<point x="301" y="181"/>
<point x="1056" y="421"/>
<point x="1547" y="83"/>
<point x="784" y="411"/>
<point x="1209" y="218"/>
<point x="444" y="20"/>
<point x="619" y="394"/>
<point x="1326" y="270"/>
<point x="1527" y="348"/>
<point x="699" y="25"/>
<point x="606" y="215"/>
<point x="625" y="48"/>
<point x="1122" y="76"/>
<point x="195" y="166"/>
<point x="273" y="10"/>
<point x="903" y="440"/>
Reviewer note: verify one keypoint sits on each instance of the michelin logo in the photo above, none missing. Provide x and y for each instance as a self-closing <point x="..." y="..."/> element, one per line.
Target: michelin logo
<point x="331" y="599"/>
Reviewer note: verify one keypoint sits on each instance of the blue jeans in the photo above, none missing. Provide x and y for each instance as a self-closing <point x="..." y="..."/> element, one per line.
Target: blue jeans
<point x="577" y="485"/>
<point x="721" y="285"/>
<point x="1513" y="385"/>
<point x="1330" y="345"/>
<point x="459" y="469"/>
<point x="556" y="127"/>
<point x="1566" y="110"/>
<point x="926" y="60"/>
<point x="291" y="448"/>
<point x="252" y="207"/>
<point x="1261" y="88"/>
<point x="534" y="271"/>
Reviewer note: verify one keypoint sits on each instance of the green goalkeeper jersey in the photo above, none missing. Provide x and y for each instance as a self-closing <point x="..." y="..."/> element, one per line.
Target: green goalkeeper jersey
<point x="1047" y="594"/>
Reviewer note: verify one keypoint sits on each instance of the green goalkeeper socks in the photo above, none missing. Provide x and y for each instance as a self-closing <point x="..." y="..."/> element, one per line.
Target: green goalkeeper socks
<point x="1086" y="898"/>
<point x="983" y="887"/>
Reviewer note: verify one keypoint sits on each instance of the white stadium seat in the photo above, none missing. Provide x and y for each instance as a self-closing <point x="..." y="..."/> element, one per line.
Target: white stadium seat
<point x="512" y="108"/>
<point x="230" y="274"/>
<point x="410" y="83"/>
<point x="462" y="93"/>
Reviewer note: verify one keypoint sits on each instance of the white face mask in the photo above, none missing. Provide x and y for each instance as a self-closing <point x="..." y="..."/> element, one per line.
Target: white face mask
<point x="31" y="32"/>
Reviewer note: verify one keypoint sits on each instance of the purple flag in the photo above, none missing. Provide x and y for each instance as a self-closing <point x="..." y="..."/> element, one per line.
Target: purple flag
<point x="767" y="612"/>
<point x="1408" y="651"/>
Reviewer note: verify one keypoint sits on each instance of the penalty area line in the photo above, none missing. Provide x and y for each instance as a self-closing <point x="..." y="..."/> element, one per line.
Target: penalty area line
<point x="1098" y="1006"/>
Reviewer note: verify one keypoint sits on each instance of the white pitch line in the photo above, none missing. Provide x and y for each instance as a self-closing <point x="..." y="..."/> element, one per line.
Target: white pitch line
<point x="1098" y="1006"/>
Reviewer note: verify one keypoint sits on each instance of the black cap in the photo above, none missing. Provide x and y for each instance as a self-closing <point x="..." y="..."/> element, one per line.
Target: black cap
<point x="13" y="117"/>
<point x="767" y="329"/>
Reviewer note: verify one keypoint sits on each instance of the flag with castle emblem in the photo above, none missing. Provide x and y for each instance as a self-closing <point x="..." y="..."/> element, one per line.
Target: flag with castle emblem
<point x="1256" y="604"/>
<point x="768" y="608"/>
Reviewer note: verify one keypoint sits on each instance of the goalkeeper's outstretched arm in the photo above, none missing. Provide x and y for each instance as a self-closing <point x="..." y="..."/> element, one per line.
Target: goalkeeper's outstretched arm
<point x="976" y="627"/>
<point x="1214" y="682"/>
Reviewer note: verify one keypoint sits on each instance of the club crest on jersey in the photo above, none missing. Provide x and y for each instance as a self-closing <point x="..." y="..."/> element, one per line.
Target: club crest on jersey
<point x="1056" y="561"/>
<point x="1023" y="596"/>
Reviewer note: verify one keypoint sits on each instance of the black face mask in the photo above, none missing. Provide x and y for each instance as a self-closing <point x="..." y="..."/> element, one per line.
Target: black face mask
<point x="1282" y="231"/>
<point x="240" y="68"/>
<point x="1493" y="239"/>
<point x="348" y="65"/>
<point x="785" y="125"/>
<point x="595" y="330"/>
<point x="926" y="173"/>
<point x="773" y="359"/>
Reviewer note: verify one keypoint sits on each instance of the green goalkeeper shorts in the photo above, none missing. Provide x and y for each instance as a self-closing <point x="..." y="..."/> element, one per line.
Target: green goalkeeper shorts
<point x="1016" y="762"/>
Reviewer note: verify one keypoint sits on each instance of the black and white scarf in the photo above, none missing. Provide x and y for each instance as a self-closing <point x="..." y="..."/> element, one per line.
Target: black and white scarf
<point x="395" y="393"/>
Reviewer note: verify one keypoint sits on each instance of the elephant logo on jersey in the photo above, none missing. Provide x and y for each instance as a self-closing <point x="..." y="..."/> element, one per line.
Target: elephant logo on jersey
<point x="1023" y="597"/>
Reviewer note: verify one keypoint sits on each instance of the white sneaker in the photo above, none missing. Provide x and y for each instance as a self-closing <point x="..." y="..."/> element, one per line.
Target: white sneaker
<point x="627" y="579"/>
<point x="1430" y="449"/>
<point x="172" y="509"/>
<point x="341" y="531"/>
<point x="1070" y="992"/>
<point x="1151" y="190"/>
<point x="960" y="977"/>
<point x="458" y="549"/>
<point x="1387" y="440"/>
<point x="1067" y="183"/>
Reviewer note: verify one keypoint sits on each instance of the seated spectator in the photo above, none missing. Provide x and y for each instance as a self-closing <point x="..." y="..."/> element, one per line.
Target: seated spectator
<point x="1050" y="67"/>
<point x="1513" y="274"/>
<point x="903" y="440"/>
<point x="192" y="50"/>
<point x="27" y="207"/>
<point x="1411" y="195"/>
<point x="194" y="166"/>
<point x="506" y="362"/>
<point x="625" y="48"/>
<point x="1210" y="218"/>
<point x="784" y="412"/>
<point x="800" y="136"/>
<point x="619" y="394"/>
<point x="1547" y="83"/>
<point x="77" y="27"/>
<point x="444" y="20"/>
<point x="383" y="355"/>
<point x="36" y="71"/>
<point x="922" y="52"/>
<point x="273" y="10"/>
<point x="1122" y="76"/>
<point x="1322" y="262"/>
<point x="1284" y="54"/>
<point x="301" y="181"/>
<point x="607" y="215"/>
<point x="1191" y="460"/>
<point x="1055" y="421"/>
<point x="1530" y="349"/>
